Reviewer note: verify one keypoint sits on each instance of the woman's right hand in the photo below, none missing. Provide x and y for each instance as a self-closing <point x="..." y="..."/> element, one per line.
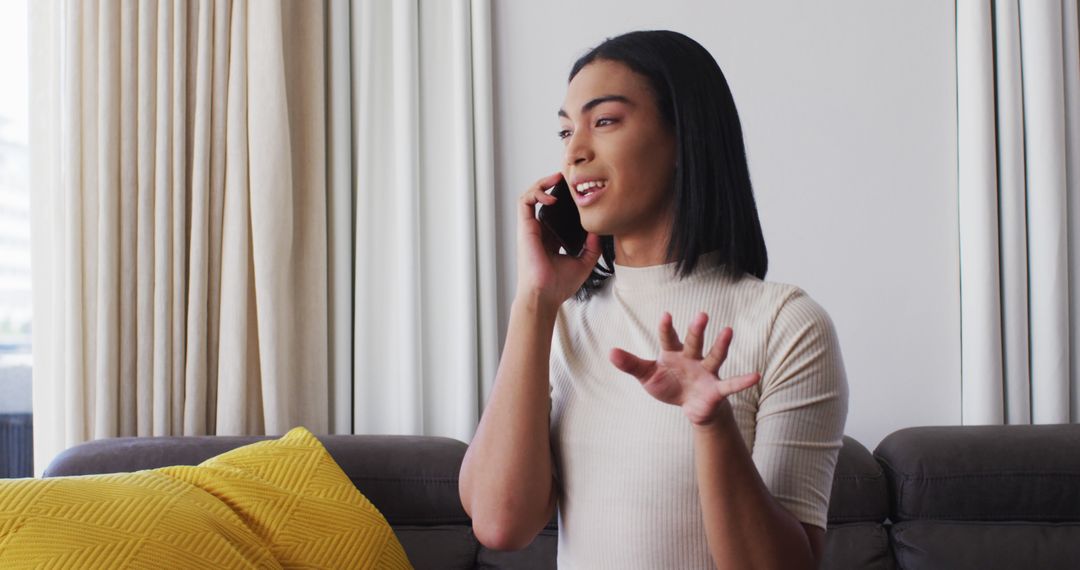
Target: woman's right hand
<point x="544" y="275"/>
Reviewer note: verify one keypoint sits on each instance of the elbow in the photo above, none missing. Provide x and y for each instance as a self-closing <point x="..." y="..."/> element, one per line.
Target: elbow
<point x="501" y="534"/>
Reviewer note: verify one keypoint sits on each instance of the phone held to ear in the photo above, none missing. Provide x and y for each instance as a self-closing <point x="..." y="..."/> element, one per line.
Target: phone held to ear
<point x="562" y="219"/>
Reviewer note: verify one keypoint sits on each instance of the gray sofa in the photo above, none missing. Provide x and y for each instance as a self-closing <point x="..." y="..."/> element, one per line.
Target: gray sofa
<point x="930" y="497"/>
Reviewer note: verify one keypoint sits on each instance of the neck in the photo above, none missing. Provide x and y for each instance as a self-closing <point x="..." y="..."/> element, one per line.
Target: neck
<point x="643" y="248"/>
<point x="640" y="252"/>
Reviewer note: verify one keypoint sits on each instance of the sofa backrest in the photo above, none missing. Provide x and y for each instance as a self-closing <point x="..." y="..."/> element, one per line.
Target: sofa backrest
<point x="984" y="496"/>
<point x="951" y="497"/>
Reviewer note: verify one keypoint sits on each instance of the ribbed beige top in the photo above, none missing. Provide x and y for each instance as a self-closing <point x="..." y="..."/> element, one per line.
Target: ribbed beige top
<point x="624" y="461"/>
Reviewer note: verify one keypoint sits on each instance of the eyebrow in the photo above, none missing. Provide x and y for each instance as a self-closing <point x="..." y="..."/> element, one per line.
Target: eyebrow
<point x="588" y="106"/>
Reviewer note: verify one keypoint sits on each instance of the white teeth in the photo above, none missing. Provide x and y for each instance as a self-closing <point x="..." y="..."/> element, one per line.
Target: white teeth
<point x="581" y="188"/>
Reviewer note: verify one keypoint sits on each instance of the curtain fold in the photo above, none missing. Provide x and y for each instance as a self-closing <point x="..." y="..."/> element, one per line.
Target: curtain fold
<point x="339" y="207"/>
<point x="1018" y="107"/>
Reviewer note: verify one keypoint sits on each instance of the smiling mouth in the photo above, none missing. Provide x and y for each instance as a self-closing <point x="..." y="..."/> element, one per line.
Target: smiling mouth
<point x="586" y="188"/>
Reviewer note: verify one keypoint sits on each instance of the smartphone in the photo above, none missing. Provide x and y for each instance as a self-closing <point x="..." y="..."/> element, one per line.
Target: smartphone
<point x="562" y="219"/>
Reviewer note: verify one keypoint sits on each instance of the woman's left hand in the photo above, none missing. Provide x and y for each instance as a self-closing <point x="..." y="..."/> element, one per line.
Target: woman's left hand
<point x="681" y="376"/>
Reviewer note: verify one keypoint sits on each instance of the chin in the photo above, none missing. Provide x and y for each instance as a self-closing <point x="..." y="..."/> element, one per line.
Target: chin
<point x="592" y="225"/>
<point x="593" y="220"/>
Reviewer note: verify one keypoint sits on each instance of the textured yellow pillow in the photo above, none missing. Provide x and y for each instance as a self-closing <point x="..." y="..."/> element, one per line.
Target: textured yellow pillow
<point x="127" y="520"/>
<point x="273" y="504"/>
<point x="293" y="495"/>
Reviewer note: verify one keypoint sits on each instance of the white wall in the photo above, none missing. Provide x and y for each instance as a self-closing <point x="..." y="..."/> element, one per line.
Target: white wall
<point x="848" y="109"/>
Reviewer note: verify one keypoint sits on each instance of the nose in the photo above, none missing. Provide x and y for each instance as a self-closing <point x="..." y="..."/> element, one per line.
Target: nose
<point x="578" y="149"/>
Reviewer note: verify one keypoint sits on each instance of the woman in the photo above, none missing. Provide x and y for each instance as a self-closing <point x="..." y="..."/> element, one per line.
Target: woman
<point x="713" y="458"/>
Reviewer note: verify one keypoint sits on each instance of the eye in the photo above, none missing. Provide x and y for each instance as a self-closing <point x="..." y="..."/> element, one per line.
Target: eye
<point x="564" y="133"/>
<point x="600" y="122"/>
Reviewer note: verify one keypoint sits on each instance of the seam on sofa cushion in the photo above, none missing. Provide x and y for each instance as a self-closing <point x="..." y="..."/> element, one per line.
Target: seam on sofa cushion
<point x="443" y="480"/>
<point x="1000" y="474"/>
<point x="990" y="517"/>
<point x="875" y="476"/>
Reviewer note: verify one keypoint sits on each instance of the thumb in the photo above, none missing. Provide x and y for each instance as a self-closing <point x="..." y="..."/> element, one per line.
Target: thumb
<point x="591" y="251"/>
<point x="630" y="364"/>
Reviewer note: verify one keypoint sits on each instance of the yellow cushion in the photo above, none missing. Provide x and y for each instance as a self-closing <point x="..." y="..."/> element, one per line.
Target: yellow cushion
<point x="272" y="504"/>
<point x="127" y="520"/>
<point x="293" y="495"/>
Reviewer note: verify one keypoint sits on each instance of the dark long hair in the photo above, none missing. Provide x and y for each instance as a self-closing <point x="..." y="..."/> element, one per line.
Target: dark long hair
<point x="714" y="205"/>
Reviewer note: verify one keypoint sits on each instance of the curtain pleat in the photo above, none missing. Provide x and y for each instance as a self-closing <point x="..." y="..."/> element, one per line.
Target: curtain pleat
<point x="1012" y="198"/>
<point x="483" y="86"/>
<point x="385" y="352"/>
<point x="1071" y="38"/>
<point x="126" y="422"/>
<point x="198" y="280"/>
<point x="1044" y="133"/>
<point x="288" y="222"/>
<point x="239" y="408"/>
<point x="70" y="210"/>
<point x="339" y="208"/>
<point x="106" y="378"/>
<point x="222" y="20"/>
<point x="162" y="220"/>
<point x="144" y="247"/>
<point x="980" y="297"/>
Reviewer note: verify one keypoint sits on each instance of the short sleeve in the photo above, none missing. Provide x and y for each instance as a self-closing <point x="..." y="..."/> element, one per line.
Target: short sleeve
<point x="802" y="409"/>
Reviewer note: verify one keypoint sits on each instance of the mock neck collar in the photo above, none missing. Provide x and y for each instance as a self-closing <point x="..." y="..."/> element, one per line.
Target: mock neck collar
<point x="629" y="278"/>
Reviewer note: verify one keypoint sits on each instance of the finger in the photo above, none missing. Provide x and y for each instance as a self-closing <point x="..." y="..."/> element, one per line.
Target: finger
<point x="694" y="336"/>
<point x="737" y="384"/>
<point x="669" y="339"/>
<point x="637" y="367"/>
<point x="536" y="195"/>
<point x="719" y="351"/>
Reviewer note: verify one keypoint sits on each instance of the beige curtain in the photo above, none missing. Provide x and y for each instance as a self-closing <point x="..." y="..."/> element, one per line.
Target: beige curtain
<point x="178" y="218"/>
<point x="250" y="215"/>
<point x="1018" y="95"/>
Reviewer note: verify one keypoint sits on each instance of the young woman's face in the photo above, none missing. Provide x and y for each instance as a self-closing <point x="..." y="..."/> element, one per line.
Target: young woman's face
<point x="614" y="134"/>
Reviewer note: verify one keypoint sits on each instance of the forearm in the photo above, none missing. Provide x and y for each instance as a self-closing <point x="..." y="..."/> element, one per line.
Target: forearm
<point x="744" y="525"/>
<point x="506" y="476"/>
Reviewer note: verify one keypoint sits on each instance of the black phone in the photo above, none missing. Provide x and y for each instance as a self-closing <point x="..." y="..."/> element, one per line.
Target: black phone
<point x="562" y="219"/>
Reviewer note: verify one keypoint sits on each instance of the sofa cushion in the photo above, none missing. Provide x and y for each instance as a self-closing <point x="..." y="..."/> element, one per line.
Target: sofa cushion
<point x="986" y="545"/>
<point x="862" y="545"/>
<point x="439" y="547"/>
<point x="540" y="554"/>
<point x="990" y="473"/>
<point x="859" y="492"/>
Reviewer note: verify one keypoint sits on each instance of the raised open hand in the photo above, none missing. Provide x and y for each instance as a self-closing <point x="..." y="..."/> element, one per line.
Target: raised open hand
<point x="680" y="376"/>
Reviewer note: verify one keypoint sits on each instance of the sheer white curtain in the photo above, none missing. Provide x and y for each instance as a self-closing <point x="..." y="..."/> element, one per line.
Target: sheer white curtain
<point x="250" y="215"/>
<point x="1018" y="96"/>
<point x="415" y="266"/>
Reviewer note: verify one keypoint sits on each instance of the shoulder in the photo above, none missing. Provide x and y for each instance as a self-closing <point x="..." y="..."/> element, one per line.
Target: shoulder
<point x="787" y="308"/>
<point x="802" y="342"/>
<point x="779" y="304"/>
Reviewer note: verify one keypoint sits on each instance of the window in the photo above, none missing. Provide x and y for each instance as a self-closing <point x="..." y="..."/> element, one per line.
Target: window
<point x="16" y="425"/>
